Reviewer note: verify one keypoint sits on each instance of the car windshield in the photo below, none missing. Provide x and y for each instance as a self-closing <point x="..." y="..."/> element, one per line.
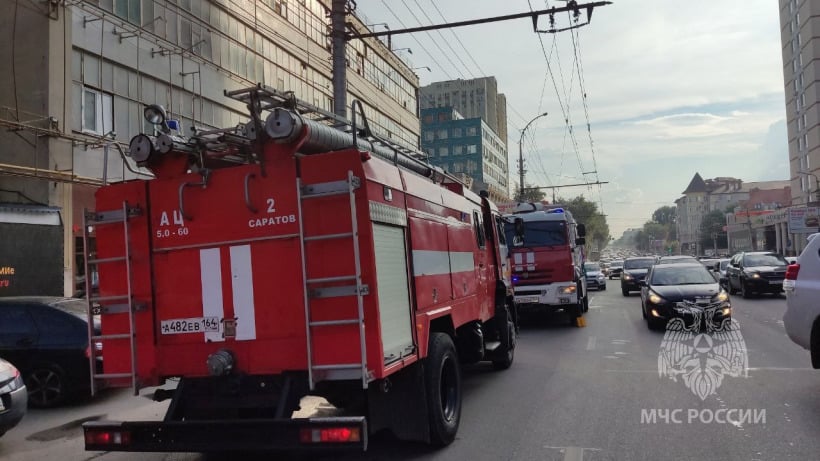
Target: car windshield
<point x="592" y="267"/>
<point x="538" y="233"/>
<point x="644" y="263"/>
<point x="724" y="264"/>
<point x="681" y="275"/>
<point x="769" y="259"/>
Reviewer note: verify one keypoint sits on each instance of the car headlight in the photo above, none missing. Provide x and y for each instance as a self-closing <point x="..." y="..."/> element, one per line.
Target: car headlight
<point x="12" y="384"/>
<point x="654" y="298"/>
<point x="568" y="290"/>
<point x="722" y="296"/>
<point x="627" y="277"/>
<point x="753" y="275"/>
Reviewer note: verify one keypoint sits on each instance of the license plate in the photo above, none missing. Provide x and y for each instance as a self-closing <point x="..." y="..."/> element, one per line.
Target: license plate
<point x="526" y="299"/>
<point x="189" y="325"/>
<point x="563" y="300"/>
<point x="775" y="282"/>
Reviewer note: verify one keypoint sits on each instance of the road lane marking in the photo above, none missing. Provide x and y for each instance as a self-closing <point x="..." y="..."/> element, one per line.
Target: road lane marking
<point x="574" y="454"/>
<point x="591" y="343"/>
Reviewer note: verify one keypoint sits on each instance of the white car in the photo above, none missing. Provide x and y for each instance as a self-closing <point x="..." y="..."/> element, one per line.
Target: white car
<point x="802" y="287"/>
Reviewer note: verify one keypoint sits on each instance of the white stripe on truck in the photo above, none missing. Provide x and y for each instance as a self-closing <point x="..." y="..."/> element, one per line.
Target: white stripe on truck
<point x="242" y="287"/>
<point x="210" y="271"/>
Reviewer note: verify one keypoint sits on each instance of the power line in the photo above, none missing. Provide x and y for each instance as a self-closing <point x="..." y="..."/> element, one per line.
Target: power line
<point x="447" y="57"/>
<point x="432" y="58"/>
<point x="446" y="42"/>
<point x="469" y="55"/>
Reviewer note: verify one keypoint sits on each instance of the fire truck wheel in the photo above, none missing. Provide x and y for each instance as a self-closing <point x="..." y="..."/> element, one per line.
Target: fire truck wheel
<point x="508" y="343"/>
<point x="46" y="385"/>
<point x="442" y="379"/>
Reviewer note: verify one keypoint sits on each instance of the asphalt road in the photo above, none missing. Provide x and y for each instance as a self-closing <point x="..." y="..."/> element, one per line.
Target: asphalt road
<point x="572" y="394"/>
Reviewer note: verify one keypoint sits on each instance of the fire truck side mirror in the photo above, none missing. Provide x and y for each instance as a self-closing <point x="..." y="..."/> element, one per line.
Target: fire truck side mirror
<point x="582" y="230"/>
<point x="580" y="241"/>
<point x="519" y="227"/>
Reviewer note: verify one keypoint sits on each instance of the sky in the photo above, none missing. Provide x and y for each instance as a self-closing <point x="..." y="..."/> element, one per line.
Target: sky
<point x="672" y="89"/>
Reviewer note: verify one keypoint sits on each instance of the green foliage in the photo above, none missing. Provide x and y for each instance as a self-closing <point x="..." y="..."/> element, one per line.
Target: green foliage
<point x="588" y="214"/>
<point x="665" y="215"/>
<point x="711" y="230"/>
<point x="530" y="194"/>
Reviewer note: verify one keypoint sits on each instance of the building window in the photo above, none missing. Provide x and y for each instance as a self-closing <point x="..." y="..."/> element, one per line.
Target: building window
<point x="442" y="134"/>
<point x="429" y="135"/>
<point x="443" y="151"/>
<point x="280" y="7"/>
<point x="458" y="150"/>
<point x="472" y="149"/>
<point x="456" y="132"/>
<point x="97" y="110"/>
<point x="428" y="118"/>
<point x="472" y="131"/>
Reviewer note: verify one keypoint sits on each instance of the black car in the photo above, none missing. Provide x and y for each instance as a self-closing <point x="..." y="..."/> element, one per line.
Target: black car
<point x="752" y="272"/>
<point x="675" y="259"/>
<point x="670" y="289"/>
<point x="634" y="272"/>
<point x="47" y="340"/>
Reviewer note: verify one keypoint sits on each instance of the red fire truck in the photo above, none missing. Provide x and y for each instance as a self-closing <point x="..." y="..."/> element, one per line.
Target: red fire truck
<point x="547" y="247"/>
<point x="284" y="258"/>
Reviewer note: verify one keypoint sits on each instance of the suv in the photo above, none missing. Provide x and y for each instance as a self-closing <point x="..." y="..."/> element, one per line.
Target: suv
<point x="634" y="272"/>
<point x="802" y="317"/>
<point x="756" y="272"/>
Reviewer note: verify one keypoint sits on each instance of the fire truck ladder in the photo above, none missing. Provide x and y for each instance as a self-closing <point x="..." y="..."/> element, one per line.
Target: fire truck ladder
<point x="337" y="371"/>
<point x="120" y="303"/>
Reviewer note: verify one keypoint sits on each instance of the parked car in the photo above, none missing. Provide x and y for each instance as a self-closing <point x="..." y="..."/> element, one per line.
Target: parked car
<point x="634" y="272"/>
<point x="752" y="272"/>
<point x="595" y="276"/>
<point x="13" y="397"/>
<point x="802" y="317"/>
<point x="615" y="269"/>
<point x="666" y="285"/>
<point x="47" y="340"/>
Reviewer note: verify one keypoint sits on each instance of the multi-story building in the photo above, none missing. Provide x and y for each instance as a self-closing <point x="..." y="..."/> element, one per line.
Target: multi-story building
<point x="801" y="49"/>
<point x="466" y="146"/>
<point x="478" y="97"/>
<point x="79" y="74"/>
<point x="722" y="194"/>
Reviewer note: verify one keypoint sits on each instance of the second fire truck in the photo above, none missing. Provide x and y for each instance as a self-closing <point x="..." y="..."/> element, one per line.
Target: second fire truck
<point x="284" y="258"/>
<point x="547" y="259"/>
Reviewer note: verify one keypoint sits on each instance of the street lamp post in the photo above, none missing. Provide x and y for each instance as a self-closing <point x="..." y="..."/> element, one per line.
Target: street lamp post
<point x="521" y="157"/>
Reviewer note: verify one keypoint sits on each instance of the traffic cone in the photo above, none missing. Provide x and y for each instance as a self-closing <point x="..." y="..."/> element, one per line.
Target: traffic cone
<point x="580" y="322"/>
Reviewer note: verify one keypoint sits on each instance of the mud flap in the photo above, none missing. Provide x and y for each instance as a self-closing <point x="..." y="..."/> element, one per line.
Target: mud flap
<point x="399" y="404"/>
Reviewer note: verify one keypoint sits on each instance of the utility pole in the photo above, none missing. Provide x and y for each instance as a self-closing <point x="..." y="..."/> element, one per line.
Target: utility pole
<point x="521" y="158"/>
<point x="596" y="183"/>
<point x="337" y="21"/>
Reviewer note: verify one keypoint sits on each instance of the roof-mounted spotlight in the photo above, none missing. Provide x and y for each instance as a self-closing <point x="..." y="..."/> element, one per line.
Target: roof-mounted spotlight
<point x="156" y="115"/>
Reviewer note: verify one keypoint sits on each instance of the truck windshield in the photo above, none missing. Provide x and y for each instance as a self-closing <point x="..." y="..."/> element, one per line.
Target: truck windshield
<point x="538" y="233"/>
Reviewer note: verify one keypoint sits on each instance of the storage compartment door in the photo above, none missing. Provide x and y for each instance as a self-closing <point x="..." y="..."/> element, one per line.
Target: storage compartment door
<point x="394" y="293"/>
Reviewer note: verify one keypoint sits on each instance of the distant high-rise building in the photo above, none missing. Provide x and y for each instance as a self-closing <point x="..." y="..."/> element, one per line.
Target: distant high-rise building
<point x="466" y="147"/>
<point x="801" y="48"/>
<point x="473" y="98"/>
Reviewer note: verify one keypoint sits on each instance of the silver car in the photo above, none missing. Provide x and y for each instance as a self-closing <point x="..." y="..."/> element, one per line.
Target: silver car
<point x="802" y="317"/>
<point x="13" y="397"/>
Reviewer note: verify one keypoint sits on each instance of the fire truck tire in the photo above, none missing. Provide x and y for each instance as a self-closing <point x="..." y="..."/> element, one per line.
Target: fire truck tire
<point x="586" y="302"/>
<point x="508" y="343"/>
<point x="442" y="380"/>
<point x="46" y="385"/>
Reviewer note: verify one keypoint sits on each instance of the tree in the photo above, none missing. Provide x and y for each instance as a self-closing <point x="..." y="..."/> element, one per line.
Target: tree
<point x="711" y="230"/>
<point x="587" y="213"/>
<point x="530" y="194"/>
<point x="665" y="215"/>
